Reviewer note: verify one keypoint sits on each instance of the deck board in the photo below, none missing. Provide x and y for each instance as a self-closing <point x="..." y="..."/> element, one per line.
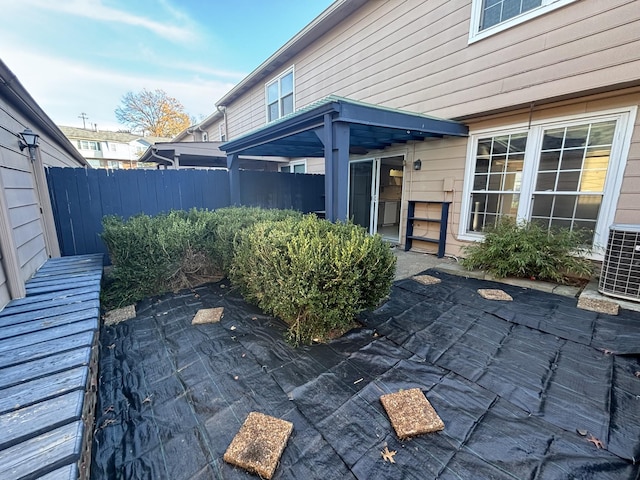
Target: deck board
<point x="30" y="421"/>
<point x="47" y="342"/>
<point x="39" y="350"/>
<point x="24" y="372"/>
<point x="42" y="454"/>
<point x="48" y="322"/>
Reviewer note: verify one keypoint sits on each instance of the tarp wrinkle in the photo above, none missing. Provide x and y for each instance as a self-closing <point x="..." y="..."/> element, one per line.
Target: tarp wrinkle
<point x="521" y="387"/>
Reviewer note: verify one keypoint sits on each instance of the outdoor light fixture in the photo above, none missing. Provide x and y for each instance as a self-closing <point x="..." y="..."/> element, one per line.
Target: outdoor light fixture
<point x="27" y="139"/>
<point x="417" y="165"/>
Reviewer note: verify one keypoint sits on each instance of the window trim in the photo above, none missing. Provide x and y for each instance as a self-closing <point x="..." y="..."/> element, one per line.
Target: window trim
<point x="277" y="79"/>
<point x="293" y="163"/>
<point x="475" y="34"/>
<point x="625" y="118"/>
<point x="222" y="129"/>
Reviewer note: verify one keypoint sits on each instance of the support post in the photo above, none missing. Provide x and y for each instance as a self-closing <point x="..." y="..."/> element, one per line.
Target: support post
<point x="234" y="178"/>
<point x="327" y="140"/>
<point x="335" y="137"/>
<point x="341" y="134"/>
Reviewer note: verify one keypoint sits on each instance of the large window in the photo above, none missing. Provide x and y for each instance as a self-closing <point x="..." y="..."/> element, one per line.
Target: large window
<point x="564" y="174"/>
<point x="279" y="95"/>
<point x="492" y="16"/>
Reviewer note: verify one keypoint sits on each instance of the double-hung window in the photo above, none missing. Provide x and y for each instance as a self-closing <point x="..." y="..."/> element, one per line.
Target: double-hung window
<point x="558" y="174"/>
<point x="279" y="96"/>
<point x="88" y="145"/>
<point x="492" y="16"/>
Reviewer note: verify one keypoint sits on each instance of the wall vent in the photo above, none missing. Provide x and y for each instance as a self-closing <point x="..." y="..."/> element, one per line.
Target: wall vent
<point x="620" y="276"/>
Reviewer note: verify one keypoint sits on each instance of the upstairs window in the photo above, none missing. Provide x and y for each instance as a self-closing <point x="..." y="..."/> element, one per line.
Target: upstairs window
<point x="492" y="16"/>
<point x="279" y="96"/>
<point x="222" y="130"/>
<point x="205" y="137"/>
<point x="88" y="145"/>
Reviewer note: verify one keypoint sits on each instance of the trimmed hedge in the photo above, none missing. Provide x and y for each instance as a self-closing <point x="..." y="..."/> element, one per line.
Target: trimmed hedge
<point x="313" y="274"/>
<point x="167" y="252"/>
<point x="227" y="225"/>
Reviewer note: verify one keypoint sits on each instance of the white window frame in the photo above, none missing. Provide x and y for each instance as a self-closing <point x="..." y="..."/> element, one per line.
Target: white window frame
<point x="292" y="164"/>
<point x="625" y="120"/>
<point x="475" y="34"/>
<point x="222" y="131"/>
<point x="205" y="137"/>
<point x="277" y="79"/>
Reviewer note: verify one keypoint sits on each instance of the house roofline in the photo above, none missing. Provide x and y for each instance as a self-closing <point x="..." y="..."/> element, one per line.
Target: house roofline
<point x="22" y="101"/>
<point x="327" y="20"/>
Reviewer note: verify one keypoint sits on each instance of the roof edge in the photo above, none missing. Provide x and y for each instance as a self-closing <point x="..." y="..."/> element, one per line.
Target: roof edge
<point x="22" y="100"/>
<point x="327" y="20"/>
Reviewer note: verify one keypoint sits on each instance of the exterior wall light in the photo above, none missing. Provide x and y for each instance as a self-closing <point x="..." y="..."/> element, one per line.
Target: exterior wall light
<point x="28" y="139"/>
<point x="417" y="164"/>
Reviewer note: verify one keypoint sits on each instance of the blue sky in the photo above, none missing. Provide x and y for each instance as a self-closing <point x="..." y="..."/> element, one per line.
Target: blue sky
<point x="78" y="56"/>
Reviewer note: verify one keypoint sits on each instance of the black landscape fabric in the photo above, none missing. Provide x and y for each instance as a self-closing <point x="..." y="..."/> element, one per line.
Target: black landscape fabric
<point x="527" y="389"/>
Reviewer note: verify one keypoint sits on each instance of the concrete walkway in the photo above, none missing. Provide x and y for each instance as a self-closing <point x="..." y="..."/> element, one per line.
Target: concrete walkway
<point x="411" y="263"/>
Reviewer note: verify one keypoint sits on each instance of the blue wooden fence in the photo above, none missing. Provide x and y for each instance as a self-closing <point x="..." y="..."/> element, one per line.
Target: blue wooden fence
<point x="81" y="197"/>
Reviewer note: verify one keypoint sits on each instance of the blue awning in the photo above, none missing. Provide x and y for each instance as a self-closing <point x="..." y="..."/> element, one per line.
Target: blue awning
<point x="335" y="128"/>
<point x="371" y="127"/>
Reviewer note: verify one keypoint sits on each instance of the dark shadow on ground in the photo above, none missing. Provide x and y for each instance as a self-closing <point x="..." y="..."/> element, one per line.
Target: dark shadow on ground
<point x="516" y="384"/>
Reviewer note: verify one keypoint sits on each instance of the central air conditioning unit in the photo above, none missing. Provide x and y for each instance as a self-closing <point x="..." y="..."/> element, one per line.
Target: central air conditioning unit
<point x="620" y="276"/>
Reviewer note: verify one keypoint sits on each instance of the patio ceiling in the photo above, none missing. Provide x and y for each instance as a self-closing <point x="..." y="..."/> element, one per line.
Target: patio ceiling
<point x="335" y="128"/>
<point x="371" y="127"/>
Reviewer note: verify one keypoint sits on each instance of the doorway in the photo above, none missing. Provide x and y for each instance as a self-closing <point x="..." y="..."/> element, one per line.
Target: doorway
<point x="375" y="195"/>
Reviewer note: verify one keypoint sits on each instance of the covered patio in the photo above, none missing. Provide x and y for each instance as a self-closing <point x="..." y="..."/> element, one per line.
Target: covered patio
<point x="335" y="128"/>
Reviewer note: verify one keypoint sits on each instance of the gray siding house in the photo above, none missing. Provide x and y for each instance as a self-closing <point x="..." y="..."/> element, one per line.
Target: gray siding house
<point x="27" y="229"/>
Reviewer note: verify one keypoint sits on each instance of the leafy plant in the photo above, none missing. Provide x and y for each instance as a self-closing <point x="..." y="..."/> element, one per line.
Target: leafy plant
<point x="152" y="255"/>
<point x="228" y="225"/>
<point x="313" y="274"/>
<point x="180" y="249"/>
<point x="528" y="250"/>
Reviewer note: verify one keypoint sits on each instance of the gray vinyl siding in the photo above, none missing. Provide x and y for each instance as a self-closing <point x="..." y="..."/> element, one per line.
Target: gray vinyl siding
<point x="23" y="210"/>
<point x="24" y="218"/>
<point x="5" y="297"/>
<point x="416" y="56"/>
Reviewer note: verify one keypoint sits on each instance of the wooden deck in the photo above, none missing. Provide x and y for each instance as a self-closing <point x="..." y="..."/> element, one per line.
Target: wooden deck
<point x="48" y="353"/>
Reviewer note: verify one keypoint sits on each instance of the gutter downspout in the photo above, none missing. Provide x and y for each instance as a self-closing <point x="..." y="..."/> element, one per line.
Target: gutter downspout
<point x="223" y="110"/>
<point x="164" y="159"/>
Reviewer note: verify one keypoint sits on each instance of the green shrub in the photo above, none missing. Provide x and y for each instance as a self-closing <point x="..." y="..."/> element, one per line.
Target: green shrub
<point x="227" y="225"/>
<point x="313" y="274"/>
<point x="167" y="252"/>
<point x="152" y="255"/>
<point x="528" y="250"/>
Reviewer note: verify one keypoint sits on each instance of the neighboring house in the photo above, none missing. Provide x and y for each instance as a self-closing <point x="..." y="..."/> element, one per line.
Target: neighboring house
<point x="544" y="95"/>
<point x="201" y="154"/>
<point x="104" y="149"/>
<point x="198" y="147"/>
<point x="27" y="229"/>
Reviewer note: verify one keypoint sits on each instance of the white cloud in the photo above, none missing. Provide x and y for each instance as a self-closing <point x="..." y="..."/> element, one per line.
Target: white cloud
<point x="64" y="88"/>
<point x="96" y="10"/>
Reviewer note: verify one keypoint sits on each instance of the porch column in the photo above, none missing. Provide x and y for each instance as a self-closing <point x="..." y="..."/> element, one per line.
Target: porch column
<point x="234" y="178"/>
<point x="336" y="161"/>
